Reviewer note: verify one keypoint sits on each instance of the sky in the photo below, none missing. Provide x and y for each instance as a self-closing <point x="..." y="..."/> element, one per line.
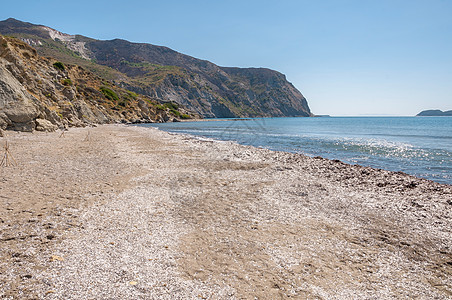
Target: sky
<point x="347" y="57"/>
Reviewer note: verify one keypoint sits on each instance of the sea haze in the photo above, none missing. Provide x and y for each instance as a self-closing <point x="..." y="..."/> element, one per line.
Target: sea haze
<point x="420" y="146"/>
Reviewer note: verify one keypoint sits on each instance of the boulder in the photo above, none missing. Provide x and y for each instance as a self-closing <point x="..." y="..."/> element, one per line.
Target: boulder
<point x="45" y="125"/>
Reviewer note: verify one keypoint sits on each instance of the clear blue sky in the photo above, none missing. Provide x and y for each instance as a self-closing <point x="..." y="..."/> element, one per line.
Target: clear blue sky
<point x="347" y="57"/>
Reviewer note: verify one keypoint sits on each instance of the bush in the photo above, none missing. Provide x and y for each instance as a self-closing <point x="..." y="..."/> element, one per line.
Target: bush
<point x="171" y="105"/>
<point x="175" y="112"/>
<point x="59" y="65"/>
<point x="66" y="82"/>
<point x="109" y="94"/>
<point x="185" y="116"/>
<point x="132" y="94"/>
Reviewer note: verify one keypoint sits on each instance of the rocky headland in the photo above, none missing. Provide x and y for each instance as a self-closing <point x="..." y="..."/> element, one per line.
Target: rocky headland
<point x="162" y="73"/>
<point x="38" y="93"/>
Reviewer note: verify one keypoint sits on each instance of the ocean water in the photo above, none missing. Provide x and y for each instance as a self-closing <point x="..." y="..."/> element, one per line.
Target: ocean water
<point x="420" y="146"/>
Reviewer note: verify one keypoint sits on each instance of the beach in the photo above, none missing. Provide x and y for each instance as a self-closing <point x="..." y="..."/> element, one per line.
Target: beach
<point x="117" y="212"/>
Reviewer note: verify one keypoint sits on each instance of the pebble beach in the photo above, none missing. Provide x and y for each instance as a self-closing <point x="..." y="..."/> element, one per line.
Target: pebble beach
<point x="124" y="212"/>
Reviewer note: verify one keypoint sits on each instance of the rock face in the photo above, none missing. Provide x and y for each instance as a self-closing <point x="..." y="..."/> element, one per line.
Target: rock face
<point x="435" y="113"/>
<point x="41" y="94"/>
<point x="162" y="73"/>
<point x="18" y="107"/>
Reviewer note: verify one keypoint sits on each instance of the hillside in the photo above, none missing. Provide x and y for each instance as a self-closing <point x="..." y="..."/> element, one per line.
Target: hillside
<point x="37" y="93"/>
<point x="162" y="73"/>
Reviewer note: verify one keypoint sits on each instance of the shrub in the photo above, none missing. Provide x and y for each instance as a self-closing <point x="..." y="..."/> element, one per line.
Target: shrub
<point x="132" y="94"/>
<point x="66" y="82"/>
<point x="171" y="105"/>
<point x="109" y="94"/>
<point x="59" y="65"/>
<point x="185" y="116"/>
<point x="175" y="112"/>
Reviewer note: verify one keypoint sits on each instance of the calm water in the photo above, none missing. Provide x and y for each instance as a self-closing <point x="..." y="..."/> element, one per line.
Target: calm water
<point x="421" y="146"/>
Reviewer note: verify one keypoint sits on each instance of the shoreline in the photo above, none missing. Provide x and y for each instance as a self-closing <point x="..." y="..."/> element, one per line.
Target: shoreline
<point x="201" y="138"/>
<point x="125" y="211"/>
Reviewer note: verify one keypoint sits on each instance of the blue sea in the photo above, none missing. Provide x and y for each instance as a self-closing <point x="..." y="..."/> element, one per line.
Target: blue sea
<point x="420" y="146"/>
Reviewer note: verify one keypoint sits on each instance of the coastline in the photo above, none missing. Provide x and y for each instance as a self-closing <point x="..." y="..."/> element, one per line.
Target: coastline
<point x="93" y="214"/>
<point x="366" y="141"/>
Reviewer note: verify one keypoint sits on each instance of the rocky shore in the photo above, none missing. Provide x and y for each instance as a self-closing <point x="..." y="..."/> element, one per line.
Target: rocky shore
<point x="123" y="212"/>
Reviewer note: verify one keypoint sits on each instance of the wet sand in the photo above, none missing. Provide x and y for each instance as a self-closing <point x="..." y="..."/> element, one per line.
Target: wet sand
<point x="126" y="212"/>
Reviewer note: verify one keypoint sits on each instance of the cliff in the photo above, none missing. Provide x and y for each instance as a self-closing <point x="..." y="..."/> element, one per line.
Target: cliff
<point x="37" y="93"/>
<point x="162" y="73"/>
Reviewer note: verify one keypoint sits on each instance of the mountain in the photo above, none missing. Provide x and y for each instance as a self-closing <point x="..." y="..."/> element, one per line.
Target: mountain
<point x="37" y="93"/>
<point x="162" y="73"/>
<point x="435" y="113"/>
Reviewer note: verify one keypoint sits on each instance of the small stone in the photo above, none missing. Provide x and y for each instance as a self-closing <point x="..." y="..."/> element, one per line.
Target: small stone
<point x="56" y="257"/>
<point x="133" y="283"/>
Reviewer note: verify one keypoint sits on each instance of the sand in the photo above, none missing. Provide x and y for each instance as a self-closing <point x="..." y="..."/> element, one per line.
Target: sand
<point x="122" y="212"/>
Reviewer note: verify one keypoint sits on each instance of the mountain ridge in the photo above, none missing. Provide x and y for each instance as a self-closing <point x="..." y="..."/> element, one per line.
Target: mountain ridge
<point x="162" y="73"/>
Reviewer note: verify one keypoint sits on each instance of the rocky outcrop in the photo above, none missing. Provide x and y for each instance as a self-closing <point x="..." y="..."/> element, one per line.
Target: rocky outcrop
<point x="170" y="76"/>
<point x="19" y="109"/>
<point x="41" y="94"/>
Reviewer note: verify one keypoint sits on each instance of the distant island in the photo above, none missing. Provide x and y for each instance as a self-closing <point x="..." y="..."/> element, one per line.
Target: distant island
<point x="435" y="113"/>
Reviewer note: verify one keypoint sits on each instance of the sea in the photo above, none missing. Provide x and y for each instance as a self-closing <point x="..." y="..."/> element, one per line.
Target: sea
<point x="420" y="146"/>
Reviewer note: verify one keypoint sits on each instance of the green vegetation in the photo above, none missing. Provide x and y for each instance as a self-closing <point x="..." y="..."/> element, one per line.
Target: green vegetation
<point x="132" y="94"/>
<point x="171" y="105"/>
<point x="173" y="108"/>
<point x="129" y="96"/>
<point x="146" y="73"/>
<point x="175" y="112"/>
<point x="66" y="82"/>
<point x="59" y="65"/>
<point x="109" y="94"/>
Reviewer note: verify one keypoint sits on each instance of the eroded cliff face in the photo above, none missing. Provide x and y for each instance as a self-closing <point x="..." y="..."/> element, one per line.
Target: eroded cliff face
<point x="160" y="72"/>
<point x="41" y="94"/>
<point x="208" y="89"/>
